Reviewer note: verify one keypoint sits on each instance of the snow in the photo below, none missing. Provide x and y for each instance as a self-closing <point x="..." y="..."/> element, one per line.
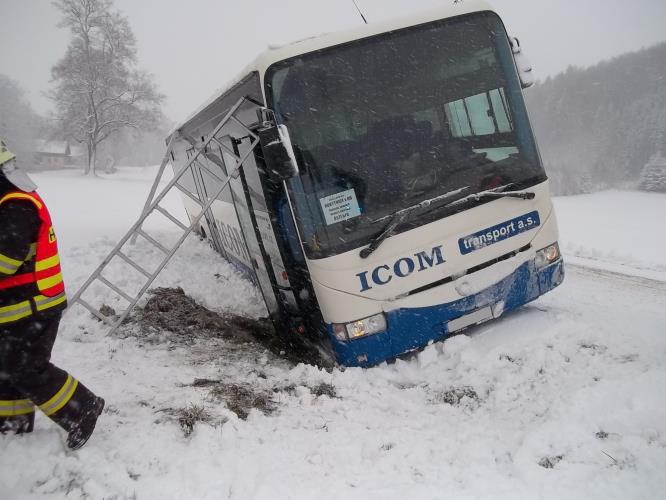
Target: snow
<point x="575" y="381"/>
<point x="286" y="141"/>
<point x="623" y="231"/>
<point x="52" y="147"/>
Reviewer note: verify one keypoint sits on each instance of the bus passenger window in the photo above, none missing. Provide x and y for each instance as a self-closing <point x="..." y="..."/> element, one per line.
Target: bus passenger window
<point x="480" y="114"/>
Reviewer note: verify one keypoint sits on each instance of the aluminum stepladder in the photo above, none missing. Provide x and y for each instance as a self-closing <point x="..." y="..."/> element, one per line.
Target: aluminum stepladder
<point x="152" y="206"/>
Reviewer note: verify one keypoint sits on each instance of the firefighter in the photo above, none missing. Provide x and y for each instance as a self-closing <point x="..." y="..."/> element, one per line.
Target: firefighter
<point x="32" y="299"/>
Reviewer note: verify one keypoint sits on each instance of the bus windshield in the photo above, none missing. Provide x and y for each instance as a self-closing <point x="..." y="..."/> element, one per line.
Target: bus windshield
<point x="385" y="122"/>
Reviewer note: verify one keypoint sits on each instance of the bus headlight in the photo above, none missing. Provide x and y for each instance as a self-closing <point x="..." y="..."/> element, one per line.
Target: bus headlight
<point x="547" y="256"/>
<point x="360" y="328"/>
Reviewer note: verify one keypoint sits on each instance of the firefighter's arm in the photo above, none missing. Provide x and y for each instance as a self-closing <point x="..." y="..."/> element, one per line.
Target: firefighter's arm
<point x="18" y="235"/>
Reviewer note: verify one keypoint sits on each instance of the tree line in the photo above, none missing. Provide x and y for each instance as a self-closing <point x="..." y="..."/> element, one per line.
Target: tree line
<point x="597" y="127"/>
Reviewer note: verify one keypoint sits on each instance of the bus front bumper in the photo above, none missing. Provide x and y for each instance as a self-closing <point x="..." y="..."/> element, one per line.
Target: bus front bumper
<point x="409" y="329"/>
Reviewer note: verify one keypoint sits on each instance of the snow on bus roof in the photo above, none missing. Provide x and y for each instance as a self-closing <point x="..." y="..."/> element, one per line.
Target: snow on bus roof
<point x="275" y="53"/>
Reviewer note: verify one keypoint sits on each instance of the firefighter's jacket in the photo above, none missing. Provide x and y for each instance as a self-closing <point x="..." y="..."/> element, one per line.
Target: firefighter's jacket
<point x="30" y="275"/>
<point x="32" y="296"/>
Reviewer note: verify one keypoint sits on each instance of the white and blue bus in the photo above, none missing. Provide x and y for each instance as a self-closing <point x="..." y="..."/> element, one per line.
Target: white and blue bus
<point x="412" y="202"/>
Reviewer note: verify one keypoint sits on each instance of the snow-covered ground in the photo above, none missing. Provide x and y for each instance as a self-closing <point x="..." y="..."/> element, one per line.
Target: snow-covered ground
<point x="565" y="398"/>
<point x="624" y="231"/>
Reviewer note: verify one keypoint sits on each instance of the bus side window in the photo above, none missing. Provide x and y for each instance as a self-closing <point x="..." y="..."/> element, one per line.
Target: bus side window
<point x="480" y="114"/>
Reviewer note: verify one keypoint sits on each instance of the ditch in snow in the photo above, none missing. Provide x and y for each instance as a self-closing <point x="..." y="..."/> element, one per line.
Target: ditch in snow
<point x="170" y="317"/>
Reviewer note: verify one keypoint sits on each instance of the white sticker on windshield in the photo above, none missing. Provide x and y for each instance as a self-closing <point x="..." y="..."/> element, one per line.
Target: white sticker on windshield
<point x="340" y="206"/>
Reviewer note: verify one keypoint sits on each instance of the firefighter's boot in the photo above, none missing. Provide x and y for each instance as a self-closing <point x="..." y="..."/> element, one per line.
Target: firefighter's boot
<point x="81" y="431"/>
<point x="17" y="424"/>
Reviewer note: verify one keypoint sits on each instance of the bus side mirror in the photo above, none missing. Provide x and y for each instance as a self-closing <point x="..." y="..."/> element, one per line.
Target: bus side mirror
<point x="523" y="65"/>
<point x="278" y="151"/>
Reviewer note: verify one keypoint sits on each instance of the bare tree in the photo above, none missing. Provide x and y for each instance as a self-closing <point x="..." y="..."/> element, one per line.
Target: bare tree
<point x="98" y="88"/>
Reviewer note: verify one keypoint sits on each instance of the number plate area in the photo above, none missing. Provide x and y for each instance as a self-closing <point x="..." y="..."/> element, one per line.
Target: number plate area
<point x="473" y="318"/>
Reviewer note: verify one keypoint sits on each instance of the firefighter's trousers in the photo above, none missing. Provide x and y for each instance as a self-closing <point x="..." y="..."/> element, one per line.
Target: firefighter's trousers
<point x="29" y="379"/>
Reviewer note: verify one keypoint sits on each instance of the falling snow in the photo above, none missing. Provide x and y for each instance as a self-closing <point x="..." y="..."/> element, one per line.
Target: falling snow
<point x="564" y="398"/>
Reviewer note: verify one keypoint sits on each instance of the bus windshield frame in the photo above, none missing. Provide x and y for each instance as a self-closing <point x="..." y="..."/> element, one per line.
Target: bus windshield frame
<point x="382" y="123"/>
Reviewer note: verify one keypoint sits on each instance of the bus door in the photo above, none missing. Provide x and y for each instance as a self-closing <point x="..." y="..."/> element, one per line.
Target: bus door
<point x="206" y="185"/>
<point x="253" y="214"/>
<point x="265" y="218"/>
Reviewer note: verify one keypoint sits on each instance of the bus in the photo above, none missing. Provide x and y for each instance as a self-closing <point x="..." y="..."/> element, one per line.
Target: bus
<point x="395" y="194"/>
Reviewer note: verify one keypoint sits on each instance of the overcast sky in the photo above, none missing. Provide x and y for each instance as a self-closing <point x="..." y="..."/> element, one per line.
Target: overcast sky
<point x="194" y="46"/>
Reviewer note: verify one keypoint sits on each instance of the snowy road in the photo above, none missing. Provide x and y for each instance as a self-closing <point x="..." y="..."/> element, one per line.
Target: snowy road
<point x="565" y="398"/>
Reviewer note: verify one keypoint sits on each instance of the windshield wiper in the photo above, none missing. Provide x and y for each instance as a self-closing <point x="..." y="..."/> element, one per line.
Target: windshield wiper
<point x="400" y="216"/>
<point x="495" y="194"/>
<point x="397" y="218"/>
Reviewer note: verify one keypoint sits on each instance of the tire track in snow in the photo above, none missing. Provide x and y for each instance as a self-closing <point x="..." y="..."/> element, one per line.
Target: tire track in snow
<point x="629" y="279"/>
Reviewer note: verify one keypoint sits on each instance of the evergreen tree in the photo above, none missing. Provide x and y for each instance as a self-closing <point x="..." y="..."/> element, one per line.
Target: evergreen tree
<point x="597" y="127"/>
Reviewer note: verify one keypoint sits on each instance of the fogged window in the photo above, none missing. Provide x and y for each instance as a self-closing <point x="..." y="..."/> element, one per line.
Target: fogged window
<point x="481" y="114"/>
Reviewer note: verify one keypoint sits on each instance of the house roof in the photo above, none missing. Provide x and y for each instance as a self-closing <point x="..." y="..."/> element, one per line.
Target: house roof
<point x="53" y="147"/>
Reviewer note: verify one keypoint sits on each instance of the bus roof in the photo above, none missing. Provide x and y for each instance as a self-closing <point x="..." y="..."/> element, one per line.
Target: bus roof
<point x="310" y="44"/>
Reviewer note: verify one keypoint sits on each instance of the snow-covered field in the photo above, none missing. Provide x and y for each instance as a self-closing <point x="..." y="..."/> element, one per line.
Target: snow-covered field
<point x="564" y="399"/>
<point x="623" y="231"/>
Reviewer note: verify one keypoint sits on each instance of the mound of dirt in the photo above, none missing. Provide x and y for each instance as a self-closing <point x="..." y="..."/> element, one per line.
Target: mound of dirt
<point x="170" y="314"/>
<point x="171" y="309"/>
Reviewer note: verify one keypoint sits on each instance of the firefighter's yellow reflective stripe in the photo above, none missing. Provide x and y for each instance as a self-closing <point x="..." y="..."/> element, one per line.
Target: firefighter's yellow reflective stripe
<point x="42" y="302"/>
<point x="9" y="265"/>
<point x="23" y="309"/>
<point x="15" y="312"/>
<point x="11" y="408"/>
<point x="41" y="265"/>
<point x="61" y="398"/>
<point x="32" y="252"/>
<point x="20" y="196"/>
<point x="47" y="283"/>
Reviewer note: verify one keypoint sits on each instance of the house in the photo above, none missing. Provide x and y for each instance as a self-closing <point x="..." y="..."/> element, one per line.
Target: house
<point x="53" y="154"/>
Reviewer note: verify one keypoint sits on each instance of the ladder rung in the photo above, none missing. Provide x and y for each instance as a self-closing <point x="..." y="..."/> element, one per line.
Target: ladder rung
<point x="134" y="264"/>
<point x="204" y="168"/>
<point x="115" y="289"/>
<point x="95" y="312"/>
<point x="171" y="218"/>
<point x="187" y="192"/>
<point x="153" y="241"/>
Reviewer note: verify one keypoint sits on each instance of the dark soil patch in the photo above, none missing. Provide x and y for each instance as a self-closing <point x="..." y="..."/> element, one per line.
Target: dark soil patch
<point x="241" y="399"/>
<point x="592" y="347"/>
<point x="188" y="417"/>
<point x="172" y="310"/>
<point x="550" y="462"/>
<point x="324" y="390"/>
<point x="171" y="315"/>
<point x="107" y="311"/>
<point x="508" y="358"/>
<point x="455" y="395"/>
<point x="318" y="390"/>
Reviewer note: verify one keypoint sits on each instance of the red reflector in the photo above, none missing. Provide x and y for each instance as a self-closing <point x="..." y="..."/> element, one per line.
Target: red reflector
<point x="300" y="329"/>
<point x="284" y="275"/>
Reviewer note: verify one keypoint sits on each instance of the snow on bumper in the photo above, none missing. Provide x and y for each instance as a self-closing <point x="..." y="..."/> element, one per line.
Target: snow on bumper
<point x="410" y="328"/>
